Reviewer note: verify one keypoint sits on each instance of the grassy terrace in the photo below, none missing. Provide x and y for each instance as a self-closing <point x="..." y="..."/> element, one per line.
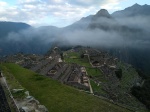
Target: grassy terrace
<point x="74" y="57"/>
<point x="13" y="84"/>
<point x="97" y="88"/>
<point x="128" y="76"/>
<point x="56" y="96"/>
<point x="93" y="72"/>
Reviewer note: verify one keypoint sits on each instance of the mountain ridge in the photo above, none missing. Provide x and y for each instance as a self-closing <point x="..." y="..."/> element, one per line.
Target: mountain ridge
<point x="134" y="10"/>
<point x="7" y="27"/>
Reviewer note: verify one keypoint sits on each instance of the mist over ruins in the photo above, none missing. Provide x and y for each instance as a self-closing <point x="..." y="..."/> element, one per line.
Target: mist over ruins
<point x="97" y="63"/>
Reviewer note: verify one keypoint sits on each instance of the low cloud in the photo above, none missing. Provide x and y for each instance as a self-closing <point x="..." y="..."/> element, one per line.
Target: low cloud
<point x="122" y="33"/>
<point x="52" y="12"/>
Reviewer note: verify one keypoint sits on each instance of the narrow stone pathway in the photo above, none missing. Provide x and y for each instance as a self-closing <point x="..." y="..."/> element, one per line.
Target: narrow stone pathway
<point x="91" y="90"/>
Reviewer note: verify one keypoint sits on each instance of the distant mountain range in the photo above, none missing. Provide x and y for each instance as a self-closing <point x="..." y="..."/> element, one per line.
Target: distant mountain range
<point x="21" y="37"/>
<point x="135" y="10"/>
<point x="7" y="27"/>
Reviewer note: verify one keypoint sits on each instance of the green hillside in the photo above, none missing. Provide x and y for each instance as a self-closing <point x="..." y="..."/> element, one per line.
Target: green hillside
<point x="58" y="97"/>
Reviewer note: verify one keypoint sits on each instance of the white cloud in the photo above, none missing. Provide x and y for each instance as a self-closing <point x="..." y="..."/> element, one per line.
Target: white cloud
<point x="67" y="11"/>
<point x="3" y="19"/>
<point x="3" y="4"/>
<point x="111" y="5"/>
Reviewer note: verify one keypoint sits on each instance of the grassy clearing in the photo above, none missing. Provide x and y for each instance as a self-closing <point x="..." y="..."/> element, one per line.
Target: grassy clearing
<point x="58" y="97"/>
<point x="78" y="61"/>
<point x="96" y="88"/>
<point x="74" y="57"/>
<point x="93" y="71"/>
<point x="13" y="84"/>
<point x="73" y="54"/>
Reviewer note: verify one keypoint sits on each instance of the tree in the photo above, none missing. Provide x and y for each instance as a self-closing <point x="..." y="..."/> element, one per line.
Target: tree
<point x="62" y="57"/>
<point x="82" y="55"/>
<point x="119" y="73"/>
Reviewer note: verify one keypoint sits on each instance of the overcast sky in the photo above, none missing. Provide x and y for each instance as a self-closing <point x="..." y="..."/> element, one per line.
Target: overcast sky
<point x="58" y="12"/>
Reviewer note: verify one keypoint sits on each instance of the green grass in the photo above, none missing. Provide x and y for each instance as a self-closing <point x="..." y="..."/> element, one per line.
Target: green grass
<point x="73" y="57"/>
<point x="97" y="88"/>
<point x="73" y="54"/>
<point x="56" y="96"/>
<point x="94" y="85"/>
<point x="14" y="84"/>
<point x="96" y="74"/>
<point x="93" y="71"/>
<point x="19" y="95"/>
<point x="78" y="61"/>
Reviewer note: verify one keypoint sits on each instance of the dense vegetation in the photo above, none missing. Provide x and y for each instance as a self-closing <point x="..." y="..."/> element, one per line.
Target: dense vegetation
<point x="143" y="92"/>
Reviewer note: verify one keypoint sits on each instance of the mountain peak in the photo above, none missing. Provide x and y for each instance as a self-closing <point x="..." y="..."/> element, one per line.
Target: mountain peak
<point x="136" y="4"/>
<point x="103" y="13"/>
